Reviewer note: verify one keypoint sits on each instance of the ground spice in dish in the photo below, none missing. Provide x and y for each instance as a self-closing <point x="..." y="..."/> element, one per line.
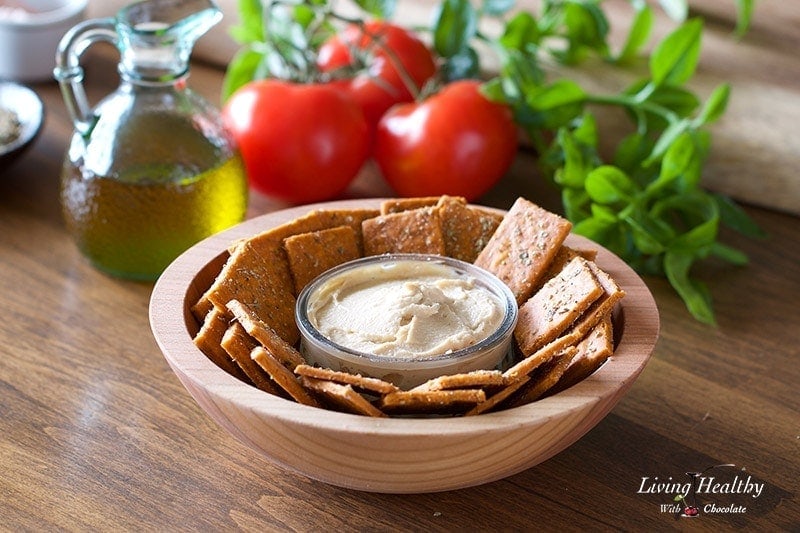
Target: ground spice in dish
<point x="9" y="126"/>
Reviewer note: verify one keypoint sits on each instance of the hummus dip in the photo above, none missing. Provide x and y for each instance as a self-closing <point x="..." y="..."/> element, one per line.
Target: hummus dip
<point x="407" y="309"/>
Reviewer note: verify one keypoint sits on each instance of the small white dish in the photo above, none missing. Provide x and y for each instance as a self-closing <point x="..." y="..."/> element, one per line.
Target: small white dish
<point x="28" y="110"/>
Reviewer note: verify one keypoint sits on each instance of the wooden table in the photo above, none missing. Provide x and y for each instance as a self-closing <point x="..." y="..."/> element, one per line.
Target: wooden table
<point x="97" y="433"/>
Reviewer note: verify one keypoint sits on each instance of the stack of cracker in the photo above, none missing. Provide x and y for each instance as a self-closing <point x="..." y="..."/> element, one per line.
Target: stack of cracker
<point x="565" y="301"/>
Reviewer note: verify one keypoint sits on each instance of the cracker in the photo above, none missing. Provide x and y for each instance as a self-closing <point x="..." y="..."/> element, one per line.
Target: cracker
<point x="523" y="246"/>
<point x="341" y="396"/>
<point x="282" y="376"/>
<point x="431" y="402"/>
<point x="467" y="380"/>
<point x="498" y="398"/>
<point x="418" y="231"/>
<point x="202" y="308"/>
<point x="258" y="274"/>
<point x="397" y="205"/>
<point x="544" y="378"/>
<point x="466" y="229"/>
<point x="560" y="302"/>
<point x="266" y="336"/>
<point x="530" y="363"/>
<point x="361" y="383"/>
<point x="311" y="254"/>
<point x="238" y="344"/>
<point x="209" y="340"/>
<point x="593" y="351"/>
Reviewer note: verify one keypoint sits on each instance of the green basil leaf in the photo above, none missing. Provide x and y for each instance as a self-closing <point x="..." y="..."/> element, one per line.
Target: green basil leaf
<point x="576" y="204"/>
<point x="587" y="28"/>
<point x="675" y="58"/>
<point x="744" y="14"/>
<point x="520" y="32"/>
<point x="557" y="104"/>
<point x="243" y="68"/>
<point x="731" y="255"/>
<point x="665" y="140"/>
<point x="595" y="229"/>
<point x="734" y="217"/>
<point x="465" y="64"/>
<point x="678" y="160"/>
<point x="644" y="239"/>
<point x="454" y="27"/>
<point x="576" y="164"/>
<point x="694" y="294"/>
<point x="631" y="151"/>
<point x="610" y="185"/>
<point x="715" y="105"/>
<point x="382" y="9"/>
<point x="638" y="34"/>
<point x="251" y="22"/>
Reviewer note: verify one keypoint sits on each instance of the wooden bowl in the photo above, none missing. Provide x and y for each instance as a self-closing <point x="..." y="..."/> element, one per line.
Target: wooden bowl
<point x="394" y="455"/>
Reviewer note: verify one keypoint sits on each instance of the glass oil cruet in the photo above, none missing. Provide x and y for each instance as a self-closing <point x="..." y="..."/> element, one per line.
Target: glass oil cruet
<point x="150" y="170"/>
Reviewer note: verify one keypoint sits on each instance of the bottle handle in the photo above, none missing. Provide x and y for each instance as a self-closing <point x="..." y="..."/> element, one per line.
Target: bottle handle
<point x="69" y="73"/>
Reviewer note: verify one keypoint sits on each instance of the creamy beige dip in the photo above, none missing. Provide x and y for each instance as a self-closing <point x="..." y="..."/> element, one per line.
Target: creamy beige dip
<point x="405" y="309"/>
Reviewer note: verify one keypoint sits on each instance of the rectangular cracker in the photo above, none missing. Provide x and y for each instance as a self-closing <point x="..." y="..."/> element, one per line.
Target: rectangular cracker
<point x="593" y="351"/>
<point x="431" y="402"/>
<point x="361" y="383"/>
<point x="528" y="364"/>
<point x="264" y="335"/>
<point x="341" y="396"/>
<point x="544" y="378"/>
<point x="558" y="304"/>
<point x="466" y="380"/>
<point x="282" y="376"/>
<point x="523" y="246"/>
<point x="238" y="344"/>
<point x="209" y="341"/>
<point x="417" y="231"/>
<point x="397" y="205"/>
<point x="466" y="229"/>
<point x="498" y="398"/>
<point x="311" y="254"/>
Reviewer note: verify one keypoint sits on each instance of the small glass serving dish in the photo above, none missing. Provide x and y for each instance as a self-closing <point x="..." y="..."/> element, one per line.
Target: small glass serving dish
<point x="406" y="318"/>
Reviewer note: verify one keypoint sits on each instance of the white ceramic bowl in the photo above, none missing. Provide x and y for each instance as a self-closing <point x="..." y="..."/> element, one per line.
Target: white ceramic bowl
<point x="395" y="455"/>
<point x="28" y="40"/>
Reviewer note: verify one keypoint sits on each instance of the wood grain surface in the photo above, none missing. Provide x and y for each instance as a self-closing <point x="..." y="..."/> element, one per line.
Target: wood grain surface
<point x="97" y="433"/>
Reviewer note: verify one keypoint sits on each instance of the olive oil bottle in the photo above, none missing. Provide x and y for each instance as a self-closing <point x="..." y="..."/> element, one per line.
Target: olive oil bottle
<point x="150" y="170"/>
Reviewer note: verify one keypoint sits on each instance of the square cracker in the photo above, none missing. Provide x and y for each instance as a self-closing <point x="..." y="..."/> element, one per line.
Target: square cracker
<point x="361" y="383"/>
<point x="311" y="254"/>
<point x="593" y="351"/>
<point x="544" y="377"/>
<point x="416" y="231"/>
<point x="282" y="376"/>
<point x="264" y="335"/>
<point x="238" y="344"/>
<point x="523" y="246"/>
<point x="560" y="302"/>
<point x="341" y="396"/>
<point x="467" y="380"/>
<point x="397" y="205"/>
<point x="498" y="398"/>
<point x="466" y="229"/>
<point x="209" y="340"/>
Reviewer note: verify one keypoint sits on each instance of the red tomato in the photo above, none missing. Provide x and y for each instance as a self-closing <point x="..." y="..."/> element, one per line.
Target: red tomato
<point x="300" y="143"/>
<point x="381" y="86"/>
<point x="456" y="142"/>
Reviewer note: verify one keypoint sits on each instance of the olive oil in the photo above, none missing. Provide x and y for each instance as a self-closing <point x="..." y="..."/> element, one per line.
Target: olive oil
<point x="133" y="227"/>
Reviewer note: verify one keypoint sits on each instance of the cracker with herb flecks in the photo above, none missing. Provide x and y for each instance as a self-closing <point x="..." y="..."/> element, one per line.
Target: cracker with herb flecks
<point x="466" y="229"/>
<point x="282" y="376"/>
<point x="311" y="254"/>
<point x="431" y="402"/>
<point x="498" y="398"/>
<point x="341" y="396"/>
<point x="418" y="231"/>
<point x="397" y="205"/>
<point x="263" y="334"/>
<point x="466" y="380"/>
<point x="361" y="383"/>
<point x="209" y="340"/>
<point x="593" y="351"/>
<point x="544" y="377"/>
<point x="558" y="304"/>
<point x="238" y="344"/>
<point x="523" y="246"/>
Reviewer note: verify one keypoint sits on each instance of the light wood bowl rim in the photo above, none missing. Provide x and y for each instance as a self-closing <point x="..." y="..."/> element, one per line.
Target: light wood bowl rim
<point x="637" y="317"/>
